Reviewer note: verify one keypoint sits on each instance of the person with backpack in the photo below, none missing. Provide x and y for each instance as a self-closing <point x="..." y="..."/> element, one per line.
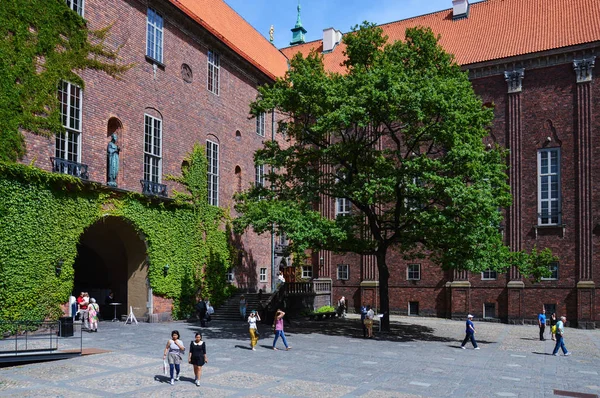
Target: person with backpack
<point x="560" y="342"/>
<point x="201" y="310"/>
<point x="93" y="311"/>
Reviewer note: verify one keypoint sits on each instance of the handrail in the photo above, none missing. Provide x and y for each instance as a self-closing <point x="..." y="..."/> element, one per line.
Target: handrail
<point x="23" y="337"/>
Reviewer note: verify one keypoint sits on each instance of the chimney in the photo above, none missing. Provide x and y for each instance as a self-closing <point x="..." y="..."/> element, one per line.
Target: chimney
<point x="331" y="38"/>
<point x="460" y="9"/>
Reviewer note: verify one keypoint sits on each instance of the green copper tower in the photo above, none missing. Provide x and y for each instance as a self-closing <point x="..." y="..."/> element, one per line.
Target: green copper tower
<point x="298" y="31"/>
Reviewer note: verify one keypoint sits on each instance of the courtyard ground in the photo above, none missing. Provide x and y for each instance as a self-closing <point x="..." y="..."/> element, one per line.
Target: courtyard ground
<point x="420" y="357"/>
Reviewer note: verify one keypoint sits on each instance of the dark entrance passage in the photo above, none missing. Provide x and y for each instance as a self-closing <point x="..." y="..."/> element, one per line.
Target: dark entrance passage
<point x="112" y="256"/>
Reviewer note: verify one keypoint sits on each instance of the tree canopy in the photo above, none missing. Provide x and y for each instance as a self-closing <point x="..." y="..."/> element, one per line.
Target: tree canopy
<point x="41" y="43"/>
<point x="399" y="136"/>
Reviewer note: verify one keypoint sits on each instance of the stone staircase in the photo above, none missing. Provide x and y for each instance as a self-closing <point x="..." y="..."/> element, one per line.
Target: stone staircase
<point x="230" y="310"/>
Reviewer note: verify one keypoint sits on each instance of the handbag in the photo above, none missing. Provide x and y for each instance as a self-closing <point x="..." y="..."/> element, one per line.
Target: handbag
<point x="553" y="329"/>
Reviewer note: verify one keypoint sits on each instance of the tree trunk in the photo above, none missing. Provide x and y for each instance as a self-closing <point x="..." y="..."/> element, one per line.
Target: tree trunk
<point x="384" y="295"/>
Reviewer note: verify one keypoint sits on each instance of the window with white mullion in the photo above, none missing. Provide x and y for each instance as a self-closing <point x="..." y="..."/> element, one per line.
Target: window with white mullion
<point x="152" y="149"/>
<point x="214" y="67"/>
<point x="260" y="124"/>
<point x="259" y="178"/>
<point x="154" y="35"/>
<point x="76" y="5"/>
<point x="549" y="186"/>
<point x="68" y="143"/>
<point x="212" y="155"/>
<point x="342" y="207"/>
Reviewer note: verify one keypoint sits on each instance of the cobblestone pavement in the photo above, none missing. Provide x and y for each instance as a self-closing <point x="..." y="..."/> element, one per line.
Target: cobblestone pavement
<point x="420" y="357"/>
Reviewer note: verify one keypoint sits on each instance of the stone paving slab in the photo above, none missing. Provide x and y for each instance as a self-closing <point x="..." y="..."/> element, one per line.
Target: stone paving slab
<point x="420" y="357"/>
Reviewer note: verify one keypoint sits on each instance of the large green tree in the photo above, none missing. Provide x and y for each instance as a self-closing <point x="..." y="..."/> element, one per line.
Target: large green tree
<point x="41" y="43"/>
<point x="399" y="135"/>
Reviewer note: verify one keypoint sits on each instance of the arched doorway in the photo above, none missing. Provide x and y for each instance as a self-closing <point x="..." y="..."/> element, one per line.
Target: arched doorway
<point x="112" y="256"/>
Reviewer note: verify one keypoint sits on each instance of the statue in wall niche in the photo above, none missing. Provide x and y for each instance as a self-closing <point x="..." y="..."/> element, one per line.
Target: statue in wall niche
<point x="112" y="153"/>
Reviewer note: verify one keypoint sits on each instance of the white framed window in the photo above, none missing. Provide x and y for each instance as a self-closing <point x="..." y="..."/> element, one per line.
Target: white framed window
<point x="553" y="267"/>
<point x="342" y="207"/>
<point x="259" y="176"/>
<point x="413" y="272"/>
<point x="489" y="275"/>
<point x="76" y="5"/>
<point x="212" y="155"/>
<point x="230" y="276"/>
<point x="307" y="271"/>
<point x="343" y="272"/>
<point x="68" y="143"/>
<point x="154" y="35"/>
<point x="214" y="68"/>
<point x="549" y="187"/>
<point x="260" y="124"/>
<point x="263" y="275"/>
<point x="152" y="149"/>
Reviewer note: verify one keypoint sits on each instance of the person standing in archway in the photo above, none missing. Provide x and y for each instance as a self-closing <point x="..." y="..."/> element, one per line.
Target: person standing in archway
<point x="83" y="310"/>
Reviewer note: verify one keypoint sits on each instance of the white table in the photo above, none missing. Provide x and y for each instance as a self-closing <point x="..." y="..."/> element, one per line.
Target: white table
<point x="115" y="305"/>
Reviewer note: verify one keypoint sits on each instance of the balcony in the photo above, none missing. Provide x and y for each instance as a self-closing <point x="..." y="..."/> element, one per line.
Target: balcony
<point x="154" y="188"/>
<point x="69" y="167"/>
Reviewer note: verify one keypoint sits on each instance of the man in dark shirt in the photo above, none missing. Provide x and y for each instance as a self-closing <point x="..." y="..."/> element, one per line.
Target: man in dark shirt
<point x="201" y="309"/>
<point x="470" y="333"/>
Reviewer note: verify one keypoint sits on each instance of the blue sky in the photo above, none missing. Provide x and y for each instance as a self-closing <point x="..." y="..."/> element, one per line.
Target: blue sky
<point x="320" y="14"/>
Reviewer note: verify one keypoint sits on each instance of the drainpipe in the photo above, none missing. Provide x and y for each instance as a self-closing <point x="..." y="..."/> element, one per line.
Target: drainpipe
<point x="272" y="226"/>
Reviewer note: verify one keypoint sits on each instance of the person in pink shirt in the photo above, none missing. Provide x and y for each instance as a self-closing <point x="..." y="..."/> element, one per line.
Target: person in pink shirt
<point x="278" y="325"/>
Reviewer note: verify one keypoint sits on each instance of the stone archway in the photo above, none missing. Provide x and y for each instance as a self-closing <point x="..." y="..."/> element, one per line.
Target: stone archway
<point x="112" y="256"/>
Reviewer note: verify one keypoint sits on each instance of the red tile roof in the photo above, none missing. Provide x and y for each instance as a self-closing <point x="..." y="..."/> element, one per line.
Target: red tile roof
<point x="229" y="27"/>
<point x="495" y="29"/>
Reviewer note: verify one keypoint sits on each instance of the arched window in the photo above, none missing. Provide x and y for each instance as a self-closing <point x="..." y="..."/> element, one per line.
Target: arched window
<point x="238" y="178"/>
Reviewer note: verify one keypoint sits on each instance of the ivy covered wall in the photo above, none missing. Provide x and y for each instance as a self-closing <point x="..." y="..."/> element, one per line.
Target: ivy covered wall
<point x="43" y="215"/>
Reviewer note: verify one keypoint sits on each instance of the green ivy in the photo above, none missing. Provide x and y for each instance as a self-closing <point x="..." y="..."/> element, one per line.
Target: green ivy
<point x="41" y="43"/>
<point x="43" y="215"/>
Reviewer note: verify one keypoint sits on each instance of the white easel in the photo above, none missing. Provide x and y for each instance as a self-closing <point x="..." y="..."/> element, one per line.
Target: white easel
<point x="131" y="317"/>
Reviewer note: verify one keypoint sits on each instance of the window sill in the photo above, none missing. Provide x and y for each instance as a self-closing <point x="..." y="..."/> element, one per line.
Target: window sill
<point x="155" y="62"/>
<point x="549" y="229"/>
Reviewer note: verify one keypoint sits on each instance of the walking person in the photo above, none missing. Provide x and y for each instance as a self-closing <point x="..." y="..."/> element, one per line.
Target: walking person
<point x="363" y="316"/>
<point x="278" y="324"/>
<point x="542" y="323"/>
<point x="470" y="333"/>
<point x="173" y="352"/>
<point x="252" y="319"/>
<point x="243" y="305"/>
<point x="197" y="357"/>
<point x="369" y="316"/>
<point x="201" y="310"/>
<point x="342" y="307"/>
<point x="552" y="324"/>
<point x="93" y="311"/>
<point x="560" y="341"/>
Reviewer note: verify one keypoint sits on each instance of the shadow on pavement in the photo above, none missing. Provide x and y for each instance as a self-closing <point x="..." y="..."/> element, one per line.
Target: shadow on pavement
<point x="399" y="331"/>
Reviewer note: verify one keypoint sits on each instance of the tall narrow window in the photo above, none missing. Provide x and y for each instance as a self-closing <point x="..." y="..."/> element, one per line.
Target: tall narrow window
<point x="343" y="271"/>
<point x="214" y="66"/>
<point x="152" y="149"/>
<point x="260" y="124"/>
<point x="259" y="179"/>
<point x="549" y="187"/>
<point x="76" y="5"/>
<point x="68" y="144"/>
<point x="212" y="155"/>
<point x="342" y="207"/>
<point x="154" y="35"/>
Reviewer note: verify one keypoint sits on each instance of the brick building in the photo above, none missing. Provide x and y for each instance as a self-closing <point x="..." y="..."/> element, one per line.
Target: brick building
<point x="197" y="66"/>
<point x="533" y="61"/>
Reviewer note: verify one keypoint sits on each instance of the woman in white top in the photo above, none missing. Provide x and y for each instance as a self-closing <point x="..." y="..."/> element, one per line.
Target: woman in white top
<point x="252" y="319"/>
<point x="174" y="349"/>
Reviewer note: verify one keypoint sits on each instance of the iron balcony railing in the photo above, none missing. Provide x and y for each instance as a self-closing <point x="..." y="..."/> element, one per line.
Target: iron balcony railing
<point x="69" y="167"/>
<point x="153" y="188"/>
<point x="26" y="337"/>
